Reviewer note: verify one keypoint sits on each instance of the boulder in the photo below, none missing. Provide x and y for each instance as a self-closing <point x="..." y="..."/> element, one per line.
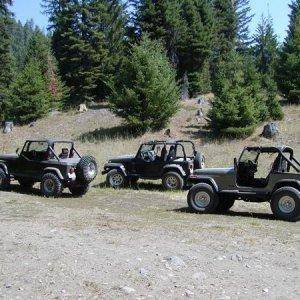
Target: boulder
<point x="82" y="108"/>
<point x="8" y="127"/>
<point x="270" y="130"/>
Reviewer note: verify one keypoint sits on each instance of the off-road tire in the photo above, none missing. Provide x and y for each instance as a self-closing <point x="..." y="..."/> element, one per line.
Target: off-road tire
<point x="51" y="185"/>
<point x="26" y="184"/>
<point x="4" y="181"/>
<point x="172" y="181"/>
<point x="206" y="202"/>
<point x="285" y="204"/>
<point x="225" y="204"/>
<point x="79" y="191"/>
<point x="87" y="169"/>
<point x="116" y="179"/>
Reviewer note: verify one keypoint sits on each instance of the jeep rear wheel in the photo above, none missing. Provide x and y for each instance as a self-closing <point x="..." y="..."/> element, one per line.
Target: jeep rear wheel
<point x="172" y="181"/>
<point x="202" y="198"/>
<point x="115" y="179"/>
<point x="51" y="185"/>
<point x="4" y="181"/>
<point x="79" y="191"/>
<point x="285" y="204"/>
<point x="26" y="184"/>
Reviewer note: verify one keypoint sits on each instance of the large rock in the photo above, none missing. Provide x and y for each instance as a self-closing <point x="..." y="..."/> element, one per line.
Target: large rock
<point x="8" y="127"/>
<point x="270" y="130"/>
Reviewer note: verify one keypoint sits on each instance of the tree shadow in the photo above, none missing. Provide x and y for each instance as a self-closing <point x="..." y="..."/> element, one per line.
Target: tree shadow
<point x="263" y="216"/>
<point x="99" y="106"/>
<point x="103" y="134"/>
<point x="203" y="132"/>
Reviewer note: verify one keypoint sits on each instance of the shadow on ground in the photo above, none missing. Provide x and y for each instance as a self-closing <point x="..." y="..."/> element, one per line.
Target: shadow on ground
<point x="203" y="132"/>
<point x="99" y="106"/>
<point x="232" y="213"/>
<point x="34" y="191"/>
<point x="103" y="134"/>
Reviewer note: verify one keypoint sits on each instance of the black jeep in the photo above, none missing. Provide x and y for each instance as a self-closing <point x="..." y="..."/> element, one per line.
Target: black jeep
<point x="166" y="160"/>
<point x="39" y="162"/>
<point x="260" y="174"/>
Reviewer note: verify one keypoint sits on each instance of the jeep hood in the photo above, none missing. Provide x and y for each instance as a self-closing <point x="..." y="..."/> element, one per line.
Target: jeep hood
<point x="214" y="171"/>
<point x="122" y="159"/>
<point x="8" y="156"/>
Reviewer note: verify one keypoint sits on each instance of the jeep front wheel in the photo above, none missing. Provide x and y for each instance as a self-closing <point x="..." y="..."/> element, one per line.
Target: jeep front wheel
<point x="202" y="198"/>
<point x="4" y="181"/>
<point x="79" y="191"/>
<point x="172" y="181"/>
<point x="51" y="185"/>
<point x="115" y="179"/>
<point x="285" y="204"/>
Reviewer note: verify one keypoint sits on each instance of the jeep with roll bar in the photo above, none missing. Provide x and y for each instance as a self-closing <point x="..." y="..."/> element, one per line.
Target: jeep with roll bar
<point x="166" y="160"/>
<point x="261" y="174"/>
<point x="38" y="161"/>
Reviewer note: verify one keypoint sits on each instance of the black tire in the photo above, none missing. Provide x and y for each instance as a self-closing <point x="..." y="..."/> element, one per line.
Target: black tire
<point x="80" y="190"/>
<point x="285" y="204"/>
<point x="51" y="185"/>
<point x="26" y="184"/>
<point x="199" y="161"/>
<point x="209" y="201"/>
<point x="87" y="169"/>
<point x="172" y="181"/>
<point x="224" y="205"/>
<point x="116" y="179"/>
<point x="4" y="181"/>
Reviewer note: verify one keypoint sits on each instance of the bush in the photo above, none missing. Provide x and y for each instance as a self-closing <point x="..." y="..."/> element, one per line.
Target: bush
<point x="28" y="98"/>
<point x="145" y="93"/>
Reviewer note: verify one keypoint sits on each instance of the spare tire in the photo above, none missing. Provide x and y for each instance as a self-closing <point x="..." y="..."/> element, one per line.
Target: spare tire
<point x="87" y="169"/>
<point x="199" y="161"/>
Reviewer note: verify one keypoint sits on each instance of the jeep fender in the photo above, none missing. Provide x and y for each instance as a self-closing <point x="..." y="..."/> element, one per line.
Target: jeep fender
<point x="4" y="167"/>
<point x="287" y="182"/>
<point x="114" y="166"/>
<point x="174" y="167"/>
<point x="204" y="179"/>
<point x="55" y="171"/>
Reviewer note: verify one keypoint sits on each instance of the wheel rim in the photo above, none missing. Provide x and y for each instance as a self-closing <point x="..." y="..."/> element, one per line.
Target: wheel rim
<point x="202" y="200"/>
<point x="116" y="180"/>
<point x="287" y="204"/>
<point x="49" y="186"/>
<point x="91" y="170"/>
<point x="171" y="182"/>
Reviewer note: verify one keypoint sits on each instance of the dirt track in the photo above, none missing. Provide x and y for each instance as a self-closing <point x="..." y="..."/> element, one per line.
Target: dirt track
<point x="123" y="244"/>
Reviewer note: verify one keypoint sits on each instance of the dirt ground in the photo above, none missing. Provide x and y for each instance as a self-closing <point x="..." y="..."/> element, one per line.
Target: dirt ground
<point x="142" y="244"/>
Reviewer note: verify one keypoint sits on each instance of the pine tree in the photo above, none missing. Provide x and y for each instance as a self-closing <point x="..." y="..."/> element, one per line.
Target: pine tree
<point x="28" y="97"/>
<point x="265" y="50"/>
<point x="196" y="45"/>
<point x="244" y="17"/>
<point x="39" y="51"/>
<point x="289" y="65"/>
<point x="146" y="94"/>
<point x="5" y="56"/>
<point x="237" y="107"/>
<point x="85" y="38"/>
<point x="226" y="27"/>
